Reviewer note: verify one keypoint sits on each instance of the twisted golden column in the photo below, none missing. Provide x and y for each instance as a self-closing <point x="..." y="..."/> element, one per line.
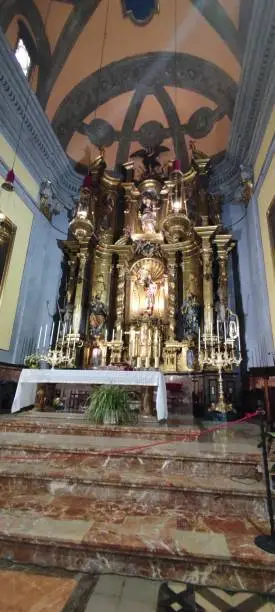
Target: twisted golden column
<point x="171" y="295"/>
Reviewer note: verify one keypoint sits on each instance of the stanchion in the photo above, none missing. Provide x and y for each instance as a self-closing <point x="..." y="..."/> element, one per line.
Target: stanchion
<point x="266" y="542"/>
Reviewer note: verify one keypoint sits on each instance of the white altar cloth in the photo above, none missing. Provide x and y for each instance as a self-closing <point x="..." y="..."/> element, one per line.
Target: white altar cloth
<point x="29" y="378"/>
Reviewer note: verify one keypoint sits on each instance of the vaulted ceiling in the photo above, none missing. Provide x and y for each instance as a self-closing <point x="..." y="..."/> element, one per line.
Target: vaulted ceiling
<point x="127" y="74"/>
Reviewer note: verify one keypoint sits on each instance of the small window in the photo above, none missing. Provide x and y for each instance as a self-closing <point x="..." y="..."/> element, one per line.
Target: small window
<point x="25" y="50"/>
<point x="23" y="57"/>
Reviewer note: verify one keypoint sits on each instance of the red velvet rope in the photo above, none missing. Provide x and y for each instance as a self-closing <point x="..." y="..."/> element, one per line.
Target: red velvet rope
<point x="190" y="436"/>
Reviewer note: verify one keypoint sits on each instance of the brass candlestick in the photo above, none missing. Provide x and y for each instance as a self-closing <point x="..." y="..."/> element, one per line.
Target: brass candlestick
<point x="221" y="351"/>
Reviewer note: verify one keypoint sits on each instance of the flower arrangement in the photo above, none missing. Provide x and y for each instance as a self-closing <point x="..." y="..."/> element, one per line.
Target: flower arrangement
<point x="32" y="361"/>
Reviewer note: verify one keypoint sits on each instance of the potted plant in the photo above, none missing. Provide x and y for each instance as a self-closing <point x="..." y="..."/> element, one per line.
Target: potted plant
<point x="109" y="405"/>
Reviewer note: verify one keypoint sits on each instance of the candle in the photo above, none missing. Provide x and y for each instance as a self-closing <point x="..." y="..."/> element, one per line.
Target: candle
<point x="58" y="329"/>
<point x="51" y="337"/>
<point x="113" y="335"/>
<point x="239" y="339"/>
<point x="121" y="335"/>
<point x="218" y="331"/>
<point x="199" y="340"/>
<point x="224" y="327"/>
<point x="106" y="333"/>
<point x="45" y="335"/>
<point x="63" y="336"/>
<point x="39" y="337"/>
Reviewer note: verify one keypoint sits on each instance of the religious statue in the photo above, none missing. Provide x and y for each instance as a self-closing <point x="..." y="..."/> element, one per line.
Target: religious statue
<point x="150" y="158"/>
<point x="97" y="317"/>
<point x="190" y="315"/>
<point x="150" y="289"/>
<point x="220" y="307"/>
<point x="148" y="212"/>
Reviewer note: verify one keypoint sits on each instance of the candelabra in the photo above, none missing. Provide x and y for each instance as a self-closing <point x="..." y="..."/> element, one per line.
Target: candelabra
<point x="221" y="351"/>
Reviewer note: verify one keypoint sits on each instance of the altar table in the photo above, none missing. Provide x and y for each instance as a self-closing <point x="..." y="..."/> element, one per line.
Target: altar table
<point x="29" y="378"/>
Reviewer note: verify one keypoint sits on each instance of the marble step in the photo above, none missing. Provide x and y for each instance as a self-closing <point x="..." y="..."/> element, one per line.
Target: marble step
<point x="77" y="533"/>
<point x="76" y="425"/>
<point x="226" y="496"/>
<point x="206" y="465"/>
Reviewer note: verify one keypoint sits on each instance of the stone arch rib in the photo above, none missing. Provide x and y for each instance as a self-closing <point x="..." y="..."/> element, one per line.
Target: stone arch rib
<point x="158" y="69"/>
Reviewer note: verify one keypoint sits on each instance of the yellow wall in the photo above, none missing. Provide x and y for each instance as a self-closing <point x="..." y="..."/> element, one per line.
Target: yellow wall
<point x="17" y="211"/>
<point x="265" y="197"/>
<point x="268" y="136"/>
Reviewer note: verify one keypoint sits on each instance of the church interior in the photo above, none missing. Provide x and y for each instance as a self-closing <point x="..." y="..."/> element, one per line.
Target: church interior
<point x="137" y="305"/>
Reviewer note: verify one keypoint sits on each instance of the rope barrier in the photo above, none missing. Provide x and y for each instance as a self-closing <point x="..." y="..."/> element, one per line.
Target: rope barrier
<point x="191" y="436"/>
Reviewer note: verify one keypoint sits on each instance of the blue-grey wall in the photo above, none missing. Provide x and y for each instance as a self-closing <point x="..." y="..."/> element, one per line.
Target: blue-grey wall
<point x="243" y="223"/>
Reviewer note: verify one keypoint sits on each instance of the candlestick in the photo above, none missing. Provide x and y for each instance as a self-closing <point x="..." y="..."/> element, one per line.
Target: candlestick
<point x="39" y="337"/>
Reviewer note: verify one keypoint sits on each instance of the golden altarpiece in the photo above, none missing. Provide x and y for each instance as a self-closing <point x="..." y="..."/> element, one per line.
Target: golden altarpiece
<point x="140" y="256"/>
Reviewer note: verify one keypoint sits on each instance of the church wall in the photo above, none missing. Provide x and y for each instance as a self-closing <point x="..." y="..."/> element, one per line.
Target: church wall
<point x="33" y="273"/>
<point x="266" y="142"/>
<point x="250" y="282"/>
<point x="265" y="197"/>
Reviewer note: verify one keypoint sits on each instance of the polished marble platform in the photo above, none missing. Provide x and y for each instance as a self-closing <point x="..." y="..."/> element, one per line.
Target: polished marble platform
<point x="135" y="501"/>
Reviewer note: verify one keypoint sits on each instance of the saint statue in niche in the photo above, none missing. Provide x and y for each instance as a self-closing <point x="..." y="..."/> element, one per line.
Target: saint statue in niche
<point x="148" y="212"/>
<point x="190" y="315"/>
<point x="97" y="317"/>
<point x="150" y="290"/>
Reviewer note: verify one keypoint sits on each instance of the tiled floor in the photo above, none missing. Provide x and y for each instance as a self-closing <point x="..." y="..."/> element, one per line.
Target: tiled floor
<point x="30" y="589"/>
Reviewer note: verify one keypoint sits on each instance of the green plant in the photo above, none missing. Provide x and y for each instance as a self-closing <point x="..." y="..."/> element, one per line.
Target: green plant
<point x="109" y="404"/>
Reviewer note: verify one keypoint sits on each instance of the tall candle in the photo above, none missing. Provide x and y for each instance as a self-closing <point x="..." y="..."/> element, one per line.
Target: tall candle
<point x="218" y="331"/>
<point x="106" y="333"/>
<point x="199" y="340"/>
<point x="39" y="338"/>
<point x="239" y="339"/>
<point x="113" y="335"/>
<point x="45" y="335"/>
<point x="121" y="335"/>
<point x="63" y="336"/>
<point x="58" y="330"/>
<point x="51" y="337"/>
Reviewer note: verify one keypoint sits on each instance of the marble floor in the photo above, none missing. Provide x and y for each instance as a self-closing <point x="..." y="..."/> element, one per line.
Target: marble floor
<point x="148" y="503"/>
<point x="31" y="589"/>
